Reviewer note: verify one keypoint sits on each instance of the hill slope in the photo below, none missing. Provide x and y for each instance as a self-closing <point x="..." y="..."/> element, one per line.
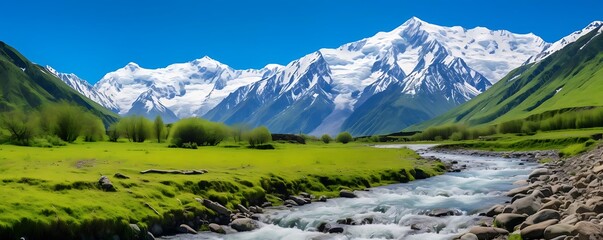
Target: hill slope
<point x="569" y="78"/>
<point x="25" y="85"/>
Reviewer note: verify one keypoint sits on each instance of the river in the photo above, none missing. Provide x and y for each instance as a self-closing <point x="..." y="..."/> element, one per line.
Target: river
<point x="393" y="209"/>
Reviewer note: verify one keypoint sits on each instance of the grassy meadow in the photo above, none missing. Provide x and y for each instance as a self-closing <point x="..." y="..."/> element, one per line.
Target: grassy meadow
<point x="57" y="188"/>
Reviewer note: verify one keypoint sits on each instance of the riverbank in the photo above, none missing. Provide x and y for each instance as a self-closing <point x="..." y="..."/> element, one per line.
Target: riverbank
<point x="58" y="193"/>
<point x="561" y="200"/>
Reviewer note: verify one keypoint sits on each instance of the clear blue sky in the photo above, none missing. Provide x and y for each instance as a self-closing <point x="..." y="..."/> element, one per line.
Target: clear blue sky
<point x="93" y="37"/>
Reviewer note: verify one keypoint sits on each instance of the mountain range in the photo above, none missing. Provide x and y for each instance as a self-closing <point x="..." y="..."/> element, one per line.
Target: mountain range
<point x="568" y="79"/>
<point x="379" y="84"/>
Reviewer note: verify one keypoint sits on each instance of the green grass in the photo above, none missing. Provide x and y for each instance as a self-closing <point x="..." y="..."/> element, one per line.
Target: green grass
<point x="53" y="188"/>
<point x="568" y="142"/>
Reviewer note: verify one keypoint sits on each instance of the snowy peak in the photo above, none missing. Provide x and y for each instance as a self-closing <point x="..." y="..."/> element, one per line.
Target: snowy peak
<point x="558" y="45"/>
<point x="150" y="106"/>
<point x="83" y="87"/>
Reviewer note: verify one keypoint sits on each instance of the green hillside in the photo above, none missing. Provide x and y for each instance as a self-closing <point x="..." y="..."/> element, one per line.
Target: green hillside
<point x="570" y="79"/>
<point x="25" y="85"/>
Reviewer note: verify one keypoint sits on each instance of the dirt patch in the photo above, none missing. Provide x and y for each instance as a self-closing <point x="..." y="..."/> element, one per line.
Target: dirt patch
<point x="85" y="163"/>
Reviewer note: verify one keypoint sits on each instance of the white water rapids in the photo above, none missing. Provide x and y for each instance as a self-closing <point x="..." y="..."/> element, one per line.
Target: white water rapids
<point x="394" y="208"/>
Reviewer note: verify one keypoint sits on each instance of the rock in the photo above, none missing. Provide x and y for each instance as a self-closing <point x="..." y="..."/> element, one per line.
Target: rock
<point x="120" y="176"/>
<point x="255" y="217"/>
<point x="595" y="204"/>
<point x="216" y="207"/>
<point x="495" y="210"/>
<point x="347" y="194"/>
<point x="368" y="220"/>
<point x="243" y="209"/>
<point x="553" y="204"/>
<point x="442" y="212"/>
<point x="149" y="236"/>
<point x="509" y="220"/>
<point x="290" y="202"/>
<point x="216" y="228"/>
<point x="322" y="198"/>
<point x="305" y="195"/>
<point x="156" y="230"/>
<point x="336" y="229"/>
<point x="598" y="169"/>
<point x="571" y="219"/>
<point x="538" y="172"/>
<point x="574" y="193"/>
<point x="243" y="224"/>
<point x="266" y="204"/>
<point x="256" y="209"/>
<point x="519" y="190"/>
<point x="106" y="184"/>
<point x="543" y="215"/>
<point x="587" y="230"/>
<point x="487" y="233"/>
<point x="322" y="227"/>
<point x="528" y="205"/>
<point x="557" y="230"/>
<point x="298" y="200"/>
<point x="468" y="236"/>
<point x="183" y="228"/>
<point x="536" y="231"/>
<point x="346" y="221"/>
<point x="135" y="230"/>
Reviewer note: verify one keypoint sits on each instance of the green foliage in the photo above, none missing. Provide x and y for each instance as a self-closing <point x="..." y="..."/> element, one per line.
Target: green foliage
<point x="258" y="136"/>
<point x="456" y="132"/>
<point x="198" y="131"/>
<point x="135" y="128"/>
<point x="510" y="127"/>
<point x="159" y="129"/>
<point x="326" y="138"/>
<point x="113" y="132"/>
<point x="65" y="120"/>
<point x="21" y="127"/>
<point x="238" y="131"/>
<point x="344" y="137"/>
<point x="93" y="129"/>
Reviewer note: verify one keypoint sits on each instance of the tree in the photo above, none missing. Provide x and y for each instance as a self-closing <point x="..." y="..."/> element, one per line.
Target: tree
<point x="326" y="138"/>
<point x="113" y="132"/>
<point x="159" y="128"/>
<point x="67" y="122"/>
<point x="135" y="128"/>
<point x="238" y="131"/>
<point x="259" y="136"/>
<point x="197" y="131"/>
<point x="22" y="127"/>
<point x="94" y="129"/>
<point x="344" y="137"/>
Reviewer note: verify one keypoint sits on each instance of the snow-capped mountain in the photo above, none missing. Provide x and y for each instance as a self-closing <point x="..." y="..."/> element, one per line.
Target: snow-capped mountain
<point x="83" y="87"/>
<point x="376" y="85"/>
<point x="558" y="45"/>
<point x="149" y="106"/>
<point x="185" y="89"/>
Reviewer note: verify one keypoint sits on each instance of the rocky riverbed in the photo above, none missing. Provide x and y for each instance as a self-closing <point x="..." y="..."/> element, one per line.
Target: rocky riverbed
<point x="561" y="200"/>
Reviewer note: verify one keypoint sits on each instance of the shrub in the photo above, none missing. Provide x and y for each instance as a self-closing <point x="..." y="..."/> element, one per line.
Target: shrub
<point x="135" y="128"/>
<point x="198" y="131"/>
<point x="326" y="138"/>
<point x="258" y="136"/>
<point x="66" y="121"/>
<point x="113" y="133"/>
<point x="93" y="130"/>
<point x="510" y="126"/>
<point x="344" y="137"/>
<point x="457" y="136"/>
<point x="159" y="128"/>
<point x="21" y="127"/>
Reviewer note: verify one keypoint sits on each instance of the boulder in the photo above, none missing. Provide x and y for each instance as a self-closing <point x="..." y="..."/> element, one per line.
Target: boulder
<point x="266" y="204"/>
<point x="538" y="172"/>
<point x="216" y="207"/>
<point x="495" y="210"/>
<point x="598" y="169"/>
<point x="536" y="231"/>
<point x="595" y="204"/>
<point x="256" y="209"/>
<point x="468" y="236"/>
<point x="570" y="219"/>
<point x="336" y="229"/>
<point x="557" y="230"/>
<point x="442" y="212"/>
<point x="290" y="202"/>
<point x="347" y="194"/>
<point x="587" y="230"/>
<point x="216" y="228"/>
<point x="519" y="190"/>
<point x="243" y="209"/>
<point x="106" y="184"/>
<point x="543" y="215"/>
<point x="243" y="224"/>
<point x="183" y="228"/>
<point x="300" y="201"/>
<point x="120" y="176"/>
<point x="509" y="220"/>
<point x="528" y="205"/>
<point x="487" y="233"/>
<point x="322" y="198"/>
<point x="553" y="204"/>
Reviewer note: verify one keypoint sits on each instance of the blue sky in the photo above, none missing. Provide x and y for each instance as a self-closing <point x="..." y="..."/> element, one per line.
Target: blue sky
<point x="93" y="37"/>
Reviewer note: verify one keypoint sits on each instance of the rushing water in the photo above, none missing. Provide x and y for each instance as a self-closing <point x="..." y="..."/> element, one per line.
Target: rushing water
<point x="394" y="208"/>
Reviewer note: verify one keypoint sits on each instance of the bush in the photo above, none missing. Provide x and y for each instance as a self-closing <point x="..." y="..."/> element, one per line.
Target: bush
<point x="344" y="137"/>
<point x="135" y="128"/>
<point x="113" y="133"/>
<point x="258" y="136"/>
<point x="326" y="138"/>
<point x="159" y="129"/>
<point x="198" y="131"/>
<point x="94" y="129"/>
<point x="21" y="127"/>
<point x="514" y="126"/>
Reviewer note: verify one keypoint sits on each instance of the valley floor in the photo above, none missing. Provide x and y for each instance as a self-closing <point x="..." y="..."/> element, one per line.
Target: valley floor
<point x="54" y="193"/>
